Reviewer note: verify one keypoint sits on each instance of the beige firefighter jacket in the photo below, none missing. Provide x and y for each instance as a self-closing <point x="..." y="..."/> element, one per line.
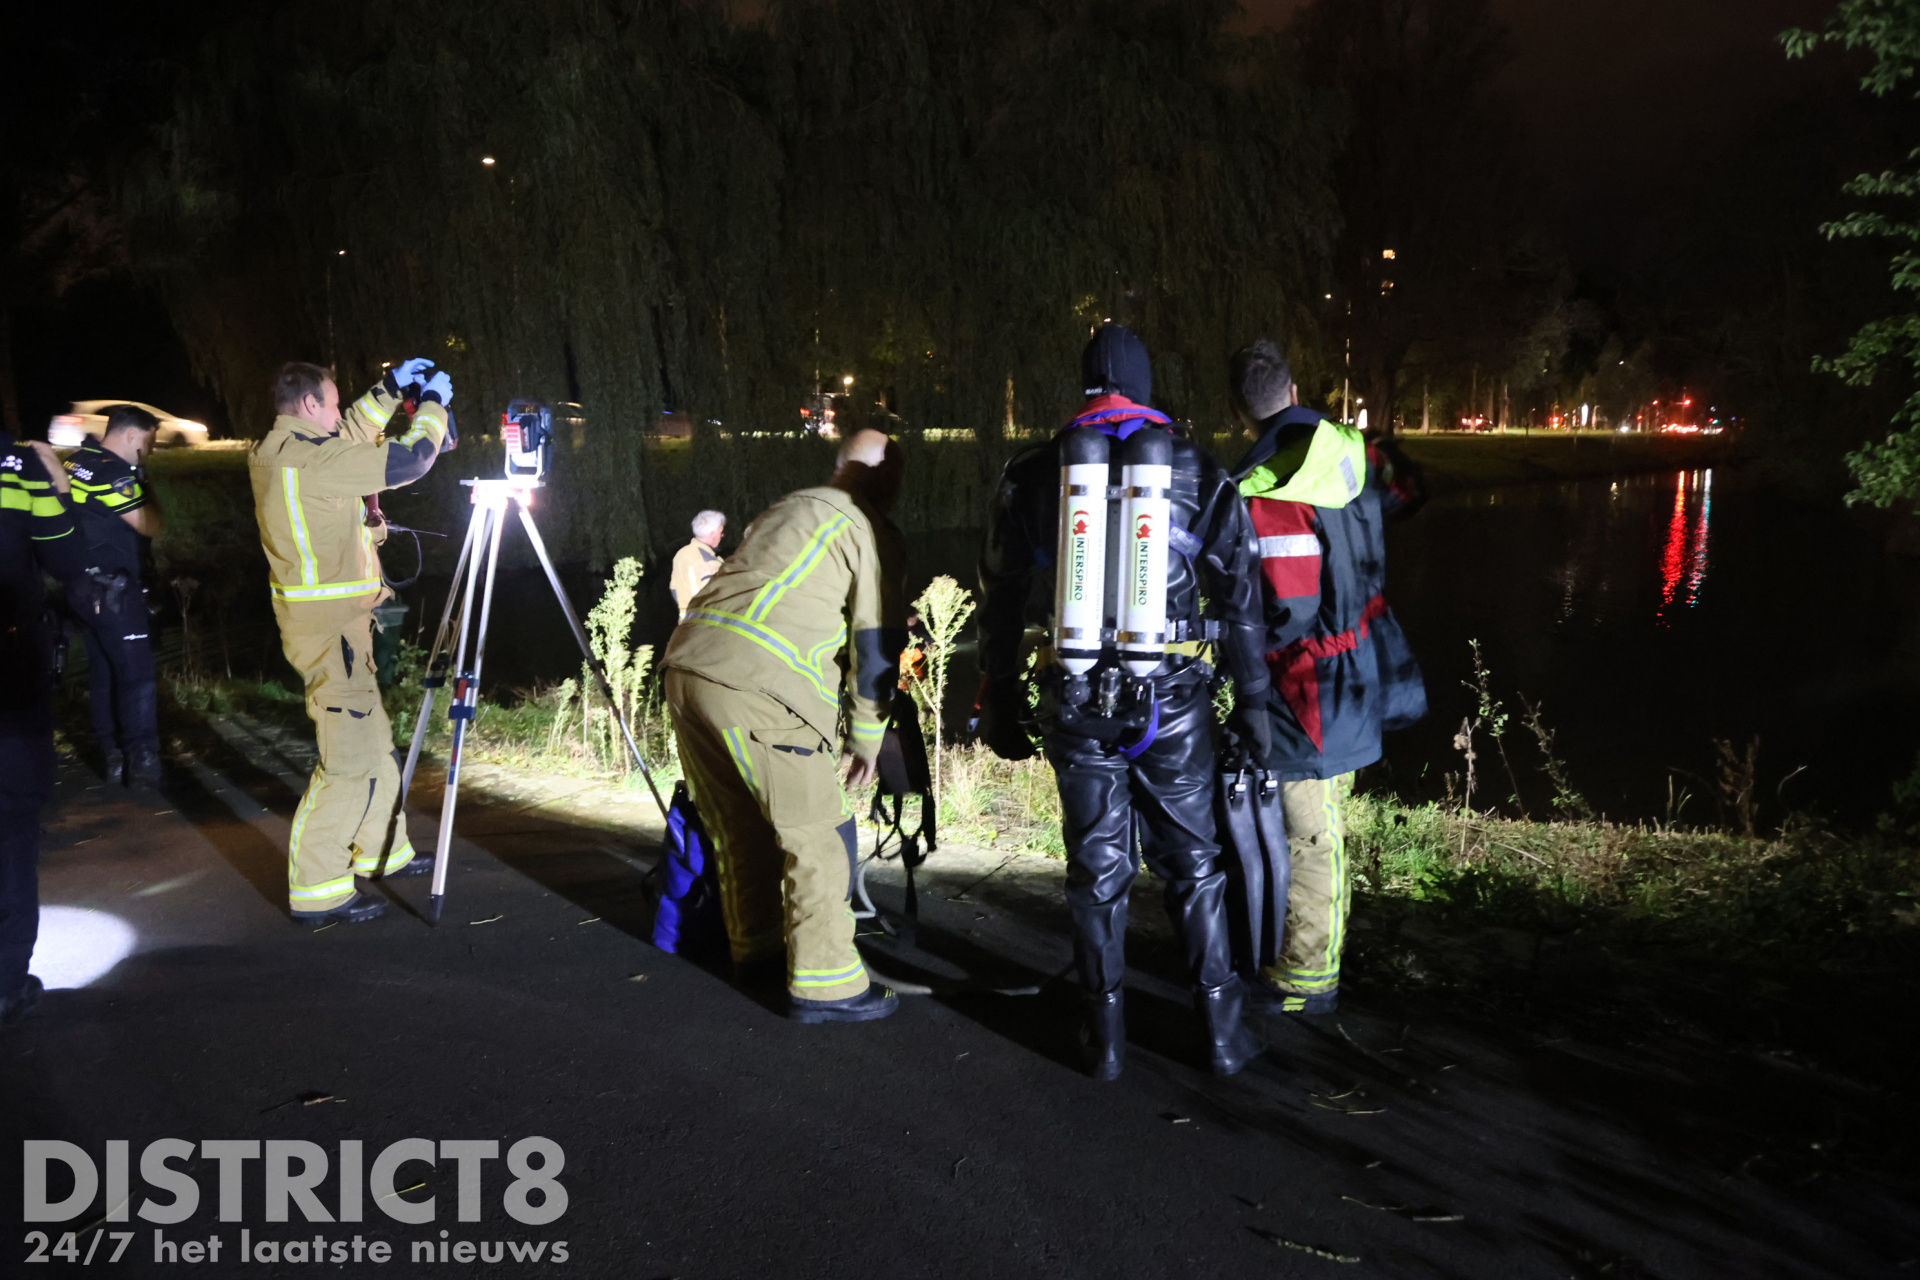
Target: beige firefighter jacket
<point x="307" y="487"/>
<point x="813" y="601"/>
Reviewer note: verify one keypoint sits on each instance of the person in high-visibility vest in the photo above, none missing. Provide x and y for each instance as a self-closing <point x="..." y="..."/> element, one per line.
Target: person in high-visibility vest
<point x="310" y="473"/>
<point x="754" y="687"/>
<point x="116" y="513"/>
<point x="37" y="537"/>
<point x="1342" y="669"/>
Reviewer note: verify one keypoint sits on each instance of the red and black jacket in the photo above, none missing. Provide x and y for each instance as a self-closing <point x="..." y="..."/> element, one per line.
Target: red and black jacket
<point x="1316" y="503"/>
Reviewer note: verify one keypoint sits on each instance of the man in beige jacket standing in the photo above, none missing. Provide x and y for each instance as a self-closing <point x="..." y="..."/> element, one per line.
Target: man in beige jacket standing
<point x="695" y="564"/>
<point x="310" y="473"/>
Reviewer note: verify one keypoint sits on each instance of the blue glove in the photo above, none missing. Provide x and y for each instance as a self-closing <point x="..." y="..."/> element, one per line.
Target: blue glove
<point x="439" y="388"/>
<point x="408" y="373"/>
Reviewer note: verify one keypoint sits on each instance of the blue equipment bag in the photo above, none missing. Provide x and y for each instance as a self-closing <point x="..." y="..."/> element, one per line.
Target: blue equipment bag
<point x="688" y="917"/>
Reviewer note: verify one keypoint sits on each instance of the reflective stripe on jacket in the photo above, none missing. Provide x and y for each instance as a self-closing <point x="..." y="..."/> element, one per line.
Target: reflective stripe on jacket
<point x="814" y="596"/>
<point x="307" y="487"/>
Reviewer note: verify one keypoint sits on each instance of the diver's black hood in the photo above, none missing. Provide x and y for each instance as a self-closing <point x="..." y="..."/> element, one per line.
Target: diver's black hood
<point x="1115" y="362"/>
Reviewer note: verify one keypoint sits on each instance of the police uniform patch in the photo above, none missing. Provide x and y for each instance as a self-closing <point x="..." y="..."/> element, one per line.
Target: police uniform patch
<point x="124" y="486"/>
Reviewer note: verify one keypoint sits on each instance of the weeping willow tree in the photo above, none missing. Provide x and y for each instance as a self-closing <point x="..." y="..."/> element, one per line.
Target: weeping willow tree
<point x="642" y="206"/>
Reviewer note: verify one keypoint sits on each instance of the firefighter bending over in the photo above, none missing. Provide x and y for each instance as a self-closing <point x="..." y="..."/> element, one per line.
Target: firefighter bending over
<point x="754" y="686"/>
<point x="310" y="474"/>
<point x="1126" y="684"/>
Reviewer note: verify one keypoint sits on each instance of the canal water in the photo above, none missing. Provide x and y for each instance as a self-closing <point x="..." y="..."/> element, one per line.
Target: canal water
<point x="1650" y="615"/>
<point x="1646" y="616"/>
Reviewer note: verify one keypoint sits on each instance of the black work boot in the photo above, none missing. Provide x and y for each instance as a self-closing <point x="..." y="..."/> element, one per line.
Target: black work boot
<point x="116" y="771"/>
<point x="143" y="765"/>
<point x="1267" y="998"/>
<point x="14" y="1007"/>
<point x="1103" y="1036"/>
<point x="420" y="864"/>
<point x="875" y="1002"/>
<point x="1231" y="1043"/>
<point x="355" y="910"/>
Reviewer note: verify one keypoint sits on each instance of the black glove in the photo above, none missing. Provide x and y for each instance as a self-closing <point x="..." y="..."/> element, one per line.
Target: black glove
<point x="1249" y="732"/>
<point x="1002" y="704"/>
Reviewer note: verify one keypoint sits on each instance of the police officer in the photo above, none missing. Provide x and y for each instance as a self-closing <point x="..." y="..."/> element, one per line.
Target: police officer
<point x="753" y="684"/>
<point x="1343" y="672"/>
<point x="310" y="473"/>
<point x="1154" y="780"/>
<point x="36" y="534"/>
<point x="117" y="515"/>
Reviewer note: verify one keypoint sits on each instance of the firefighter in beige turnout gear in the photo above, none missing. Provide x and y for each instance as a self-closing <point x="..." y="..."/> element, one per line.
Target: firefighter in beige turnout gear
<point x="754" y="687"/>
<point x="310" y="474"/>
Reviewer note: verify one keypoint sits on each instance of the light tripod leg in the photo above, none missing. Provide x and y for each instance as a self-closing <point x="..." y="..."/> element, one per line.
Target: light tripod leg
<point x="436" y="660"/>
<point x="461" y="710"/>
<point x="586" y="652"/>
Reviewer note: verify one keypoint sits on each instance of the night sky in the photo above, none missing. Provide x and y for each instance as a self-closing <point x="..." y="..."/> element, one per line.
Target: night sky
<point x="1618" y="95"/>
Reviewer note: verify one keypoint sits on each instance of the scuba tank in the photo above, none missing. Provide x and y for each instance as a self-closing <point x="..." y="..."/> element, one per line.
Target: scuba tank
<point x="1146" y="511"/>
<point x="1080" y="599"/>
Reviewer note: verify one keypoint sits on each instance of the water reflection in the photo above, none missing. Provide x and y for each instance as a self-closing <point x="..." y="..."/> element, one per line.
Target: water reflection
<point x="1683" y="560"/>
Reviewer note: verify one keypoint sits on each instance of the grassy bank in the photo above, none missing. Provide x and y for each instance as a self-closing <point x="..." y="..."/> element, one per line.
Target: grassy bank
<point x="1800" y="895"/>
<point x="1463" y="460"/>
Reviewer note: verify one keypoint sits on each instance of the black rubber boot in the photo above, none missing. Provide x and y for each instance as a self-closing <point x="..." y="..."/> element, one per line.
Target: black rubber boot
<point x="875" y="1002"/>
<point x="15" y="1007"/>
<point x="116" y="770"/>
<point x="1103" y="1036"/>
<point x="143" y="765"/>
<point x="355" y="910"/>
<point x="1231" y="1043"/>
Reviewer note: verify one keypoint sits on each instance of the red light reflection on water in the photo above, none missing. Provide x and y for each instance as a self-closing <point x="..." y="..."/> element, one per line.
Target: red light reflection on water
<point x="1684" y="559"/>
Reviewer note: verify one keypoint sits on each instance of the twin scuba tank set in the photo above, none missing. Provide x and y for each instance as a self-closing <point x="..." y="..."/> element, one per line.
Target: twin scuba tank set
<point x="1110" y="627"/>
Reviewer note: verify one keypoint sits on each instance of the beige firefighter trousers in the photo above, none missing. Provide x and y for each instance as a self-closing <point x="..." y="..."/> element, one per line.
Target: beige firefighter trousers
<point x="768" y="788"/>
<point x="1318" y="902"/>
<point x="350" y="813"/>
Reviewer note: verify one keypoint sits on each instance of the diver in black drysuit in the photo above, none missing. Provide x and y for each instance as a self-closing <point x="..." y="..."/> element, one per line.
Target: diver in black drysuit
<point x="1131" y="767"/>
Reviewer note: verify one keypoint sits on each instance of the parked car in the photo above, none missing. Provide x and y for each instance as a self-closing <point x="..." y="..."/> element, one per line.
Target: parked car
<point x="89" y="417"/>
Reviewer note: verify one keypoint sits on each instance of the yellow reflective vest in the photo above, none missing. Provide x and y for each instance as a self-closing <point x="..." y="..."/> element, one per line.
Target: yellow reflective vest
<point x="307" y="487"/>
<point x="812" y="601"/>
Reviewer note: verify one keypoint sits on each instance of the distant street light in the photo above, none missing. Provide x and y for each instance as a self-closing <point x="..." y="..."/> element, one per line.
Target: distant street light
<point x="486" y="159"/>
<point x="847" y="381"/>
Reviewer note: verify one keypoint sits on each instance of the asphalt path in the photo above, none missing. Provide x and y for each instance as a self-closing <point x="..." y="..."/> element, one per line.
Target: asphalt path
<point x="705" y="1136"/>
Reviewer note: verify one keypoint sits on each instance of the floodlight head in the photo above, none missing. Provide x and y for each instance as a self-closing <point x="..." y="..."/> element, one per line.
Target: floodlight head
<point x="526" y="429"/>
